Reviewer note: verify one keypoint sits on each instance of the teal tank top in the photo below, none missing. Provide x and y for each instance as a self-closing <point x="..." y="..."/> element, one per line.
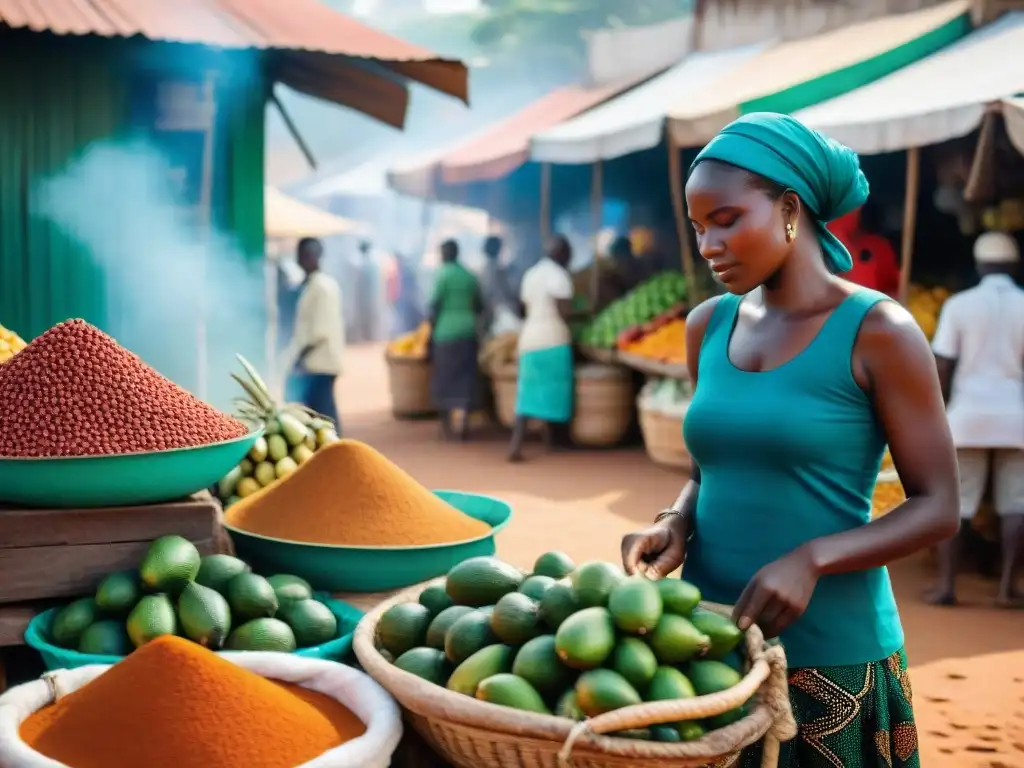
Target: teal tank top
<point x="786" y="456"/>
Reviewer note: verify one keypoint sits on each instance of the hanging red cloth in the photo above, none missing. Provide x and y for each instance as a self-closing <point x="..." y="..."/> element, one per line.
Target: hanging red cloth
<point x="874" y="260"/>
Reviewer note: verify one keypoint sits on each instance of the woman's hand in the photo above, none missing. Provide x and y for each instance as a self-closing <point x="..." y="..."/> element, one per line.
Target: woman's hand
<point x="658" y="550"/>
<point x="778" y="594"/>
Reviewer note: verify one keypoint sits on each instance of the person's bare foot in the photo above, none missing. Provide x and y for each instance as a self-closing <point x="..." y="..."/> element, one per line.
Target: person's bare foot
<point x="940" y="597"/>
<point x="515" y="457"/>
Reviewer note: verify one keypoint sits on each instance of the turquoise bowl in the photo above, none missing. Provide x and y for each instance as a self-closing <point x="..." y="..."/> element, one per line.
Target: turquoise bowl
<point x="333" y="568"/>
<point x="38" y="633"/>
<point x="123" y="480"/>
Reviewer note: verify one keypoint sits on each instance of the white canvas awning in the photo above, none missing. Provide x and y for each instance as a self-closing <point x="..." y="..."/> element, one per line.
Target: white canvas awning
<point x="633" y="121"/>
<point x="797" y="74"/>
<point x="285" y="216"/>
<point x="938" y="98"/>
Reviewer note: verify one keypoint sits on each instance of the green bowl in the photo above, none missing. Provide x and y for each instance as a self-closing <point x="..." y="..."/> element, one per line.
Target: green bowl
<point x="129" y="479"/>
<point x="334" y="568"/>
<point x="54" y="657"/>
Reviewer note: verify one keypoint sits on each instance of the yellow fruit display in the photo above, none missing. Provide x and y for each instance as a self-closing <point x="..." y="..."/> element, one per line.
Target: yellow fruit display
<point x="924" y="304"/>
<point x="10" y="344"/>
<point x="666" y="344"/>
<point x="411" y="345"/>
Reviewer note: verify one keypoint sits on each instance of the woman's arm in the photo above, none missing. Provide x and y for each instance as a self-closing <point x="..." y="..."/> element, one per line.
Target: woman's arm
<point x="893" y="357"/>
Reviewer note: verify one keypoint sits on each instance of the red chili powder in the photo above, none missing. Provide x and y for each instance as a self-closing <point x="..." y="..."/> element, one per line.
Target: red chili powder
<point x="74" y="391"/>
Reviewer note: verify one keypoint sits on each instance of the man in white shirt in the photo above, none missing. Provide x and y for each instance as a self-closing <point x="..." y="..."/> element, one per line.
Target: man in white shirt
<point x="979" y="348"/>
<point x="546" y="380"/>
<point x="313" y="359"/>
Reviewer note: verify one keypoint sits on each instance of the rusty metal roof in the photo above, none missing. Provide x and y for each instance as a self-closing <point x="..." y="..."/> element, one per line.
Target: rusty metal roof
<point x="304" y="29"/>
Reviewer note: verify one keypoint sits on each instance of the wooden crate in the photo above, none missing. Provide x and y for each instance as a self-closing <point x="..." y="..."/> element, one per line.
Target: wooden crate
<point x="49" y="556"/>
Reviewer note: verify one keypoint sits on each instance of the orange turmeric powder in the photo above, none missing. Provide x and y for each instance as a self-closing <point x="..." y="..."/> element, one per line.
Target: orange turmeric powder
<point x="173" y="704"/>
<point x="349" y="494"/>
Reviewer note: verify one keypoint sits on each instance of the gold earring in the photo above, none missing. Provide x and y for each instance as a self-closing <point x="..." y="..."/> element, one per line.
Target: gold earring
<point x="790" y="233"/>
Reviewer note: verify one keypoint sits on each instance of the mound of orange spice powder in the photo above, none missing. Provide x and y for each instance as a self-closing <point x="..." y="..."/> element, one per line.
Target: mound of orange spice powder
<point x="350" y="494"/>
<point x="173" y="704"/>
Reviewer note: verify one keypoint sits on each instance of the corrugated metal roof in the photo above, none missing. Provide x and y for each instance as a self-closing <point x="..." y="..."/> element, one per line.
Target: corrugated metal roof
<point x="289" y="26"/>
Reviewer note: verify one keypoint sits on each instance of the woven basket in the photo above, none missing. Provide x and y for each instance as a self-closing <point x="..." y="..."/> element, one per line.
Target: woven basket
<point x="409" y="380"/>
<point x="604" y="405"/>
<point x="504" y="383"/>
<point x="663" y="439"/>
<point x="474" y="734"/>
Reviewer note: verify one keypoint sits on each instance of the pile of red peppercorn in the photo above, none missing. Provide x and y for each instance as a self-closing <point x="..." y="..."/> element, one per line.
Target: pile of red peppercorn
<point x="74" y="391"/>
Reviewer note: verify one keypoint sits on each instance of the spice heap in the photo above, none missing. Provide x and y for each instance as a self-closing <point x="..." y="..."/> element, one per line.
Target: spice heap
<point x="74" y="391"/>
<point x="349" y="494"/>
<point x="173" y="704"/>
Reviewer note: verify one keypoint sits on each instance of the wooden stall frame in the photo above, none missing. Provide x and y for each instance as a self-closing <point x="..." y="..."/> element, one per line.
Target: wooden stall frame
<point x="913" y="185"/>
<point x="675" y="177"/>
<point x="545" y="203"/>
<point x="596" y="199"/>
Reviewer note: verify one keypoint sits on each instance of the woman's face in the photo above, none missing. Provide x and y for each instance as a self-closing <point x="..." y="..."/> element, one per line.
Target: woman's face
<point x="741" y="231"/>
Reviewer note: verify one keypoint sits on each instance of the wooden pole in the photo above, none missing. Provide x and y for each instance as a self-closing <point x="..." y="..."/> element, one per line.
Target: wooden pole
<point x="545" y="203"/>
<point x="596" y="198"/>
<point x="913" y="184"/>
<point x="675" y="178"/>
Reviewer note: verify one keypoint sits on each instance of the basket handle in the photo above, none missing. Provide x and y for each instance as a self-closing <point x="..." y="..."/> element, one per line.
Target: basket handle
<point x="768" y="669"/>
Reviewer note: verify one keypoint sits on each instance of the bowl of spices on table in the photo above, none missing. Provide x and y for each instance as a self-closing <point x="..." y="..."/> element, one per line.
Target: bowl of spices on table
<point x="86" y="423"/>
<point x="349" y="520"/>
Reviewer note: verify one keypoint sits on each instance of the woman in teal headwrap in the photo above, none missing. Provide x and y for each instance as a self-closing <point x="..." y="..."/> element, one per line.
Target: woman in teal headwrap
<point x="803" y="379"/>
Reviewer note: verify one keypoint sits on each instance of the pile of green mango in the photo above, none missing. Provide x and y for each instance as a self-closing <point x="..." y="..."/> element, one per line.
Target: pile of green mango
<point x="641" y="305"/>
<point x="216" y="601"/>
<point x="570" y="641"/>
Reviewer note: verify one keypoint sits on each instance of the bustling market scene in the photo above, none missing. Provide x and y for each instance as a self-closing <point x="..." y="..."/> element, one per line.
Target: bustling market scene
<point x="501" y="384"/>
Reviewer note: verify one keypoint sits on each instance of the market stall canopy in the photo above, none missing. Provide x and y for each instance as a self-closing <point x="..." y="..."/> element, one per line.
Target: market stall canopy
<point x="941" y="97"/>
<point x="635" y="120"/>
<point x="285" y="216"/>
<point x="796" y="74"/>
<point x="1013" y="111"/>
<point x="312" y="48"/>
<point x="501" y="148"/>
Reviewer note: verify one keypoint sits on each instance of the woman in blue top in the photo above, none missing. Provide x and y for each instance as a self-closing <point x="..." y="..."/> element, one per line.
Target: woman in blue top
<point x="801" y="379"/>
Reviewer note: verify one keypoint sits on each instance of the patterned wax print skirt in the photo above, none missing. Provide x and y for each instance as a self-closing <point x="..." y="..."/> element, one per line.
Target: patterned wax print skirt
<point x="857" y="716"/>
<point x="546" y="385"/>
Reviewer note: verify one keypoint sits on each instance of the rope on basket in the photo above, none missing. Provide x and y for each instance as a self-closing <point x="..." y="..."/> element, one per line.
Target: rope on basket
<point x="774" y="693"/>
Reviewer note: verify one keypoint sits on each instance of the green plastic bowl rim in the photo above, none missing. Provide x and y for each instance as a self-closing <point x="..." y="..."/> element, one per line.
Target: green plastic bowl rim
<point x="255" y="434"/>
<point x="412" y="547"/>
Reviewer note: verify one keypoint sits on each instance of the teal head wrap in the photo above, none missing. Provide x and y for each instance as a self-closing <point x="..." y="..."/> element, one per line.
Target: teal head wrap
<point x="825" y="174"/>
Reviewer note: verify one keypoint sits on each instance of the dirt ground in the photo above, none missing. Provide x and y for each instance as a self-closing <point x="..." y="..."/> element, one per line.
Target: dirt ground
<point x="968" y="666"/>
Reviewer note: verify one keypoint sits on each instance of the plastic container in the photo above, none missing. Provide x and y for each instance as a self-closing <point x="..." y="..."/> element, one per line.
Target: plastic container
<point x="356" y="690"/>
<point x="333" y="568"/>
<point x="130" y="479"/>
<point x="54" y="657"/>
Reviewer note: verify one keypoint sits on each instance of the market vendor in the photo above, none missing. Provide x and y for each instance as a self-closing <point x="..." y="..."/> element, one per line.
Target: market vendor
<point x="803" y="379"/>
<point x="500" y="304"/>
<point x="546" y="377"/>
<point x="979" y="348"/>
<point x="455" y="311"/>
<point x="313" y="358"/>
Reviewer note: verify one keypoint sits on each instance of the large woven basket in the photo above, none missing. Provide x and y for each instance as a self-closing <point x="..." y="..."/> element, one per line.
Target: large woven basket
<point x="409" y="380"/>
<point x="663" y="438"/>
<point x="603" y="410"/>
<point x="474" y="734"/>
